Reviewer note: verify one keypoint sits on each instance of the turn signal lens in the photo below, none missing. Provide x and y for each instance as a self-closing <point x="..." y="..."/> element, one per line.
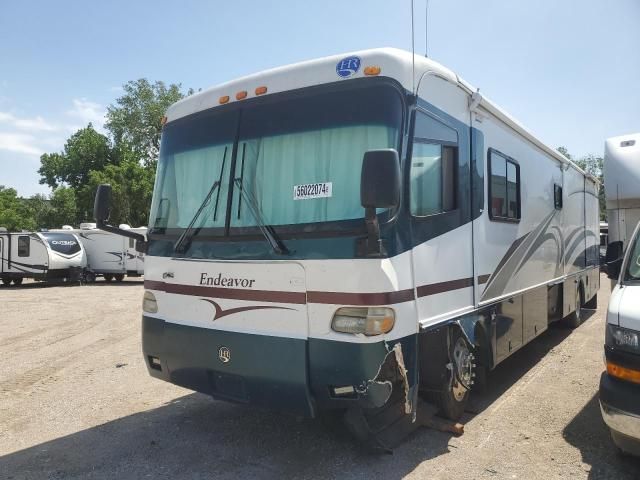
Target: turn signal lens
<point x="149" y="303"/>
<point x="372" y="70"/>
<point x="365" y="320"/>
<point x="241" y="95"/>
<point x="261" y="90"/>
<point x="224" y="99"/>
<point x="623" y="373"/>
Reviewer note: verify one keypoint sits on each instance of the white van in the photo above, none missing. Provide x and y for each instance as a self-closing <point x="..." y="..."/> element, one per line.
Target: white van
<point x="620" y="383"/>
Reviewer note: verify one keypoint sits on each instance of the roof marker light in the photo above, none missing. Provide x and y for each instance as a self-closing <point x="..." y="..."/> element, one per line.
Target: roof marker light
<point x="372" y="70"/>
<point x="241" y="95"/>
<point x="261" y="90"/>
<point x="223" y="99"/>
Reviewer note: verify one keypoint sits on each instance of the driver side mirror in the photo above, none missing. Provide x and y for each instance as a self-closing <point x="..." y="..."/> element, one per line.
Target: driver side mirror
<point x="380" y="179"/>
<point x="102" y="203"/>
<point x="614" y="259"/>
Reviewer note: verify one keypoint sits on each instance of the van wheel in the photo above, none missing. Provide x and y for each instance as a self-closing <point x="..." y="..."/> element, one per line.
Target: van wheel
<point x="17" y="281"/>
<point x="6" y="282"/>
<point x="593" y="303"/>
<point x="575" y="318"/>
<point x="119" y="277"/>
<point x="454" y="394"/>
<point x="90" y="277"/>
<point x="108" y="277"/>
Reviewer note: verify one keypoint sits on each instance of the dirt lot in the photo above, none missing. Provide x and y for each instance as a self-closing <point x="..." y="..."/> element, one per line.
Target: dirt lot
<point x="76" y="402"/>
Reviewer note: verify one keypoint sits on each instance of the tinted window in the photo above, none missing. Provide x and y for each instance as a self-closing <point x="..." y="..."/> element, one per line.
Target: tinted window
<point x="433" y="167"/>
<point x="62" y="243"/>
<point x="24" y="245"/>
<point x="504" y="187"/>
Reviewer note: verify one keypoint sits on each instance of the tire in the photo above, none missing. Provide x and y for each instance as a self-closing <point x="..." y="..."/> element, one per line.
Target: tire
<point x="454" y="395"/>
<point x="574" y="319"/>
<point x="6" y="282"/>
<point x="593" y="303"/>
<point x="90" y="277"/>
<point x="119" y="277"/>
<point x="108" y="277"/>
<point x="17" y="281"/>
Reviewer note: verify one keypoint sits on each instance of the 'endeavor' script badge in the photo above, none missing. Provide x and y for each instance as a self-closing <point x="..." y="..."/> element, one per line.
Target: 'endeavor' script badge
<point x="224" y="354"/>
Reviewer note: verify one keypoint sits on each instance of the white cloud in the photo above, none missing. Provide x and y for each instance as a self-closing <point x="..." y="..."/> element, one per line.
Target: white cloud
<point x="20" y="143"/>
<point x="87" y="111"/>
<point x="37" y="123"/>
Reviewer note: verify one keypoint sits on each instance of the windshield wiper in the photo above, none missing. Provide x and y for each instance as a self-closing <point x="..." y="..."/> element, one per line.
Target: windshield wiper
<point x="268" y="232"/>
<point x="184" y="240"/>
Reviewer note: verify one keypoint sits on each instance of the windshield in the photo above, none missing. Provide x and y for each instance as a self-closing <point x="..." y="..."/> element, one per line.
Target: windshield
<point x="296" y="161"/>
<point x="633" y="266"/>
<point x="62" y="243"/>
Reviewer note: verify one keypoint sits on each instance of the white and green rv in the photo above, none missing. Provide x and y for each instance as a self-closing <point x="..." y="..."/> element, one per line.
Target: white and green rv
<point x="355" y="233"/>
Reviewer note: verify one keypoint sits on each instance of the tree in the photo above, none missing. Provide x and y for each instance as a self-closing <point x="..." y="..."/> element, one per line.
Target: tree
<point x="136" y="119"/>
<point x="84" y="151"/>
<point x="14" y="213"/>
<point x="132" y="188"/>
<point x="63" y="206"/>
<point x="40" y="210"/>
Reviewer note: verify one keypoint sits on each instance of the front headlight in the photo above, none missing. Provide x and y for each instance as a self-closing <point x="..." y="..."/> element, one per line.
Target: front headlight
<point x="366" y="320"/>
<point x="623" y="338"/>
<point x="149" y="303"/>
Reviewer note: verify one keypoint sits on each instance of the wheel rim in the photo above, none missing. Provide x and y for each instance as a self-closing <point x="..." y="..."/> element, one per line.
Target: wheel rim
<point x="463" y="365"/>
<point x="578" y="308"/>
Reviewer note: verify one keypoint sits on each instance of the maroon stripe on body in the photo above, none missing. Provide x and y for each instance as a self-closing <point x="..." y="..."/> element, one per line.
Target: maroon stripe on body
<point x="442" y="287"/>
<point x="483" y="279"/>
<point x="230" y="293"/>
<point x="343" y="298"/>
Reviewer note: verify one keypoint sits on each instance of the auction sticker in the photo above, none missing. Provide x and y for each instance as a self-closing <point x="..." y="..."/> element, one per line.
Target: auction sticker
<point x="312" y="190"/>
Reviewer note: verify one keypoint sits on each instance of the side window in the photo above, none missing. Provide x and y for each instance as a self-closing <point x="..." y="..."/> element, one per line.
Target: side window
<point x="24" y="244"/>
<point x="504" y="187"/>
<point x="434" y="163"/>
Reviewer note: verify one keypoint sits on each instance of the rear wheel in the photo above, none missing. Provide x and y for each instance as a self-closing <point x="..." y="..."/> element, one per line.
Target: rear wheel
<point x="454" y="394"/>
<point x="575" y="318"/>
<point x="108" y="277"/>
<point x="593" y="303"/>
<point x="17" y="281"/>
<point x="119" y="277"/>
<point x="6" y="282"/>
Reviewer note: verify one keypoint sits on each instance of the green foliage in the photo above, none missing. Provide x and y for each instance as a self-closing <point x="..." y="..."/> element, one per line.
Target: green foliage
<point x="63" y="205"/>
<point x="14" y="211"/>
<point x="135" y="119"/>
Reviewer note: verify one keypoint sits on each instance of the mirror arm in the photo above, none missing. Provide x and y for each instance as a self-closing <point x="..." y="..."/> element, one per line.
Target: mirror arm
<point x="374" y="242"/>
<point x="101" y="225"/>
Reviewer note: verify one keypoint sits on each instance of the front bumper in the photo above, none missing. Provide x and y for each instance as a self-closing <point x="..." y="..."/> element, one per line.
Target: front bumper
<point x="620" y="406"/>
<point x="296" y="375"/>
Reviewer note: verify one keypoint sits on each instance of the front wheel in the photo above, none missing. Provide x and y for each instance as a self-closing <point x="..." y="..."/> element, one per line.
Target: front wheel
<point x="17" y="281"/>
<point x="119" y="277"/>
<point x="455" y="393"/>
<point x="108" y="277"/>
<point x="575" y="318"/>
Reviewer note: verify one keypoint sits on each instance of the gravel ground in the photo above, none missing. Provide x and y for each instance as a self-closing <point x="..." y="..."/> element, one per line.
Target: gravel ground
<point x="76" y="402"/>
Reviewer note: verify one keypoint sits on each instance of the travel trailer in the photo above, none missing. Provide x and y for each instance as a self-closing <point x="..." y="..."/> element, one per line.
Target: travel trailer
<point x="46" y="256"/>
<point x="620" y="383"/>
<point x="354" y="233"/>
<point x="622" y="188"/>
<point x="109" y="255"/>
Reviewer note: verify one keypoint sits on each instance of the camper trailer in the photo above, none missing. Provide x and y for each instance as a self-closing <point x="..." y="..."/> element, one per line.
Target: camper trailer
<point x="355" y="233"/>
<point x="622" y="187"/>
<point x="109" y="255"/>
<point x="46" y="256"/>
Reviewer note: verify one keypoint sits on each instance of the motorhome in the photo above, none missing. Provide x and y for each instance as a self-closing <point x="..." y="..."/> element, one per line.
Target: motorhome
<point x="622" y="186"/>
<point x="46" y="256"/>
<point x="620" y="382"/>
<point x="109" y="255"/>
<point x="355" y="233"/>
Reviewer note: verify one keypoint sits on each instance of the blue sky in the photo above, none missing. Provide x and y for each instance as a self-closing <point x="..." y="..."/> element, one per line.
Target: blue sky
<point x="568" y="70"/>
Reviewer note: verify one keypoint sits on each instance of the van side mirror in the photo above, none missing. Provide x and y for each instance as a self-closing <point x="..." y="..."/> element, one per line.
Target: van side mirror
<point x="614" y="259"/>
<point x="102" y="203"/>
<point x="380" y="179"/>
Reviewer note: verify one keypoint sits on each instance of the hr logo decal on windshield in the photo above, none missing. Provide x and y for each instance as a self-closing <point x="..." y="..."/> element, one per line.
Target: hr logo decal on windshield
<point x="348" y="66"/>
<point x="219" y="312"/>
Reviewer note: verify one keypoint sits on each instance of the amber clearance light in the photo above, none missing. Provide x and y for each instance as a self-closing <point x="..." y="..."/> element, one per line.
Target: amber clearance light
<point x="241" y="95"/>
<point x="372" y="70"/>
<point x="261" y="90"/>
<point x="623" y="373"/>
<point x="223" y="99"/>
